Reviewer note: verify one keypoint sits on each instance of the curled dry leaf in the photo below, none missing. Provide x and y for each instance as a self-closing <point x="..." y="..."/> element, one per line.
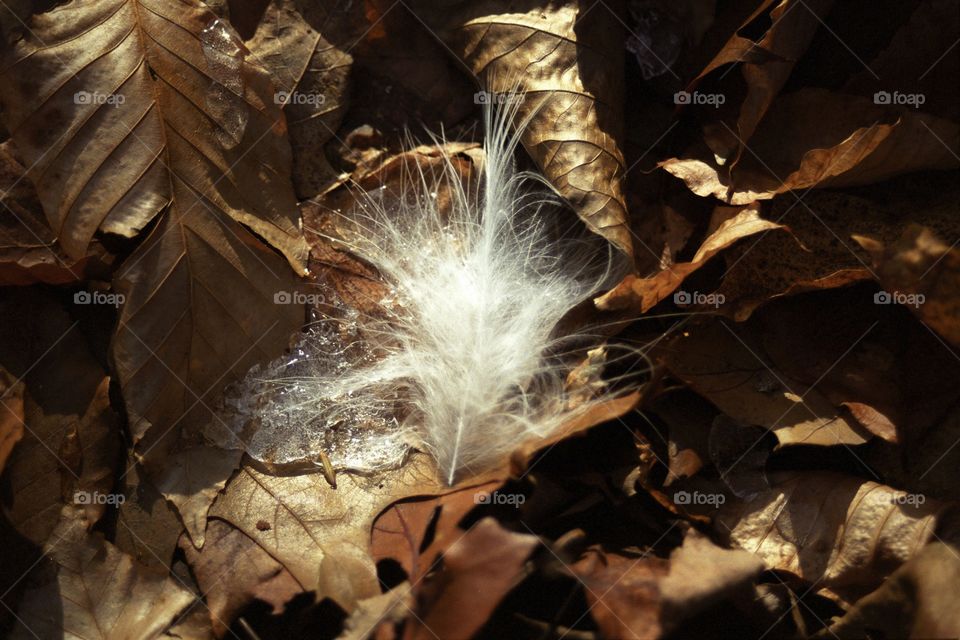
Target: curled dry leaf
<point x="716" y="362"/>
<point x="642" y="294"/>
<point x="840" y="533"/>
<point x="480" y="568"/>
<point x="564" y="62"/>
<point x="642" y="596"/>
<point x="816" y="138"/>
<point x="128" y="601"/>
<point x="923" y="272"/>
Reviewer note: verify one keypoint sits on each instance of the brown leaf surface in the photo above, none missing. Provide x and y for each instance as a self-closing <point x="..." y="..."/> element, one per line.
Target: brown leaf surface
<point x="739" y="379"/>
<point x="119" y="107"/>
<point x="922" y="265"/>
<point x="232" y="571"/>
<point x="11" y="414"/>
<point x="312" y="78"/>
<point x="643" y="597"/>
<point x="480" y="568"/>
<point x="28" y="250"/>
<point x="916" y="601"/>
<point x="840" y="533"/>
<point x="147" y="525"/>
<point x="71" y="434"/>
<point x="319" y="534"/>
<point x="815" y="138"/>
<point x="96" y="592"/>
<point x="767" y="64"/>
<point x="642" y="294"/>
<point x="568" y="62"/>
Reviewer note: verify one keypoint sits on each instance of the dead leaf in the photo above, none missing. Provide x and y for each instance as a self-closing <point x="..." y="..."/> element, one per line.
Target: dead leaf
<point x="641" y="596"/>
<point x="916" y="601"/>
<point x="839" y="533"/>
<point x="815" y="138"/>
<point x="742" y="383"/>
<point x="766" y="65"/>
<point x="191" y="479"/>
<point x="565" y="64"/>
<point x="71" y="434"/>
<point x="922" y="272"/>
<point x="147" y="526"/>
<point x="119" y="115"/>
<point x="28" y="250"/>
<point x="11" y="414"/>
<point x="377" y="611"/>
<point x="232" y="571"/>
<point x="319" y="534"/>
<point x="642" y="294"/>
<point x="479" y="570"/>
<point x="128" y="601"/>
<point x="312" y="78"/>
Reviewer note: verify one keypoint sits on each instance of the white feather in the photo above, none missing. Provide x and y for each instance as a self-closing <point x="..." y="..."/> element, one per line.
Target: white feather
<point x="468" y="357"/>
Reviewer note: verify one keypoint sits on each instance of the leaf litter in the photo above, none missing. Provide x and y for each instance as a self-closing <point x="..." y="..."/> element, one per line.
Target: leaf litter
<point x="787" y="469"/>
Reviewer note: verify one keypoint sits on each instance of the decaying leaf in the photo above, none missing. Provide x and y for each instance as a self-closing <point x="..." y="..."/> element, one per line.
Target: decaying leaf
<point x="839" y="533"/>
<point x="148" y="528"/>
<point x="372" y="613"/>
<point x="564" y="63"/>
<point x="766" y="65"/>
<point x="739" y="380"/>
<point x="71" y="434"/>
<point x="642" y="294"/>
<point x="94" y="591"/>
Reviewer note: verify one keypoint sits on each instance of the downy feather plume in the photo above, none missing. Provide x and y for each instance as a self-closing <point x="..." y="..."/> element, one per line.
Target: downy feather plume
<point x="468" y="361"/>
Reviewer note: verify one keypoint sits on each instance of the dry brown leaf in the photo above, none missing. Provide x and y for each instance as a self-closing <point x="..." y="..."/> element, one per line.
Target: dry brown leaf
<point x="133" y="107"/>
<point x="376" y="612"/>
<point x="232" y="571"/>
<point x="312" y="78"/>
<point x="840" y="533"/>
<point x="399" y="532"/>
<point x="480" y="568"/>
<point x="319" y="534"/>
<point x="767" y="64"/>
<point x="71" y="434"/>
<point x="96" y="592"/>
<point x="642" y="294"/>
<point x="28" y="250"/>
<point x="739" y="379"/>
<point x="816" y="138"/>
<point x="922" y="271"/>
<point x="147" y="526"/>
<point x="123" y="108"/>
<point x="917" y="601"/>
<point x="640" y="597"/>
<point x="11" y="414"/>
<point x="191" y="479"/>
<point x="566" y="62"/>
